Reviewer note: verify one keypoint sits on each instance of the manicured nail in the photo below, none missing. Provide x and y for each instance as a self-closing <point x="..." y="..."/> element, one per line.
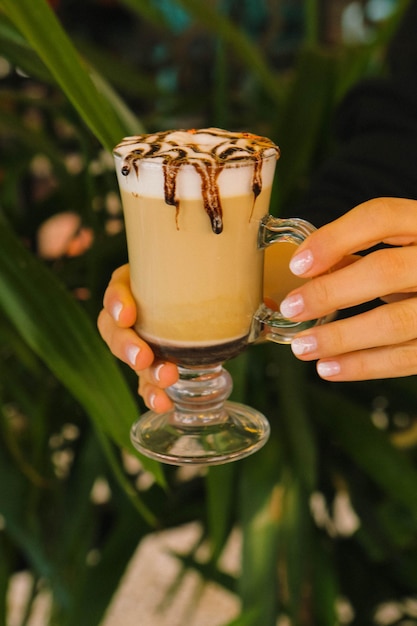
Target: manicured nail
<point x="292" y="306"/>
<point x="301" y="263"/>
<point x="151" y="400"/>
<point x="157" y="372"/>
<point x="132" y="352"/>
<point x="303" y="345"/>
<point x="116" y="310"/>
<point x="327" y="369"/>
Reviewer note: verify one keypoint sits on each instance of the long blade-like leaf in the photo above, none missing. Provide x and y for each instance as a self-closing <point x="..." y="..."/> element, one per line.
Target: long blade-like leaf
<point x="41" y="28"/>
<point x="58" y="330"/>
<point x="261" y="497"/>
<point x="293" y="420"/>
<point x="239" y="41"/>
<point x="228" y="32"/>
<point x="350" y="425"/>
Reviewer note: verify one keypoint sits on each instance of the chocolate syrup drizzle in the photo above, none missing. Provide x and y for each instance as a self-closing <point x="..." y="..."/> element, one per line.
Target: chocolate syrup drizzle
<point x="208" y="161"/>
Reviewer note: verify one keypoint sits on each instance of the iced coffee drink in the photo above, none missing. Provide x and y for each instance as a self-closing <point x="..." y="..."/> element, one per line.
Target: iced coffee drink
<point x="193" y="201"/>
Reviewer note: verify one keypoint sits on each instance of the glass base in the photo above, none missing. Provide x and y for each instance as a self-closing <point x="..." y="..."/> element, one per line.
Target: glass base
<point x="238" y="432"/>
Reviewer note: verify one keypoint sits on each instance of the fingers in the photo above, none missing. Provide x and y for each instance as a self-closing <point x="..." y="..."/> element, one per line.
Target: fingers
<point x="376" y="363"/>
<point x="153" y="382"/>
<point x="383" y="220"/>
<point x="115" y="323"/>
<point x="389" y="324"/>
<point x="154" y="376"/>
<point x="124" y="343"/>
<point x="384" y="272"/>
<point x="380" y="343"/>
<point x="118" y="299"/>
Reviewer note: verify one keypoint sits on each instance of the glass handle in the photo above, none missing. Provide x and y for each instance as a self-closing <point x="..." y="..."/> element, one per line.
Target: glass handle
<point x="276" y="229"/>
<point x="268" y="324"/>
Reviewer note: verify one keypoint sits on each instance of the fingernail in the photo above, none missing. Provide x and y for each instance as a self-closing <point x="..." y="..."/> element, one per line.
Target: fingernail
<point x="132" y="352"/>
<point x="116" y="310"/>
<point x="303" y="345"/>
<point x="157" y="372"/>
<point x="301" y="263"/>
<point x="151" y="401"/>
<point x="328" y="368"/>
<point x="292" y="306"/>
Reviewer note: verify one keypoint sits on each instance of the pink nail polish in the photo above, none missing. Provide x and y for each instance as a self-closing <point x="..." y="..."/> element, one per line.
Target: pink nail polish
<point x="326" y="369"/>
<point x="116" y="310"/>
<point x="301" y="263"/>
<point x="157" y="372"/>
<point x="132" y="352"/>
<point x="292" y="306"/>
<point x="152" y="401"/>
<point x="303" y="345"/>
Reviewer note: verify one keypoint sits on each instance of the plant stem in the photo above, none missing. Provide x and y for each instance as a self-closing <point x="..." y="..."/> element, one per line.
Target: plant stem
<point x="311" y="23"/>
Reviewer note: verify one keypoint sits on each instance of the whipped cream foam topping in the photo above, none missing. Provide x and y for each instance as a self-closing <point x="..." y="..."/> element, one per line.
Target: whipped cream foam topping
<point x="208" y="150"/>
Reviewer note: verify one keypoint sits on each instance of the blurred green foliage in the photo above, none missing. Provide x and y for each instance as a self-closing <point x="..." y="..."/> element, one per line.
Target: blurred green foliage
<point x="328" y="509"/>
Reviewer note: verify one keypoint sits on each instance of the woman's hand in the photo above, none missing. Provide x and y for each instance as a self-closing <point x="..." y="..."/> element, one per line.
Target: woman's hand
<point x="115" y="326"/>
<point x="381" y="343"/>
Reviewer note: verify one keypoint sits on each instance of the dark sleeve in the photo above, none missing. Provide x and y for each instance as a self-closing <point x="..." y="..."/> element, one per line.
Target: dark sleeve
<point x="376" y="131"/>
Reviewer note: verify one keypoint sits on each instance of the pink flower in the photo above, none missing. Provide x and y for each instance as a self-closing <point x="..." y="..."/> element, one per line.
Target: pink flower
<point x="63" y="235"/>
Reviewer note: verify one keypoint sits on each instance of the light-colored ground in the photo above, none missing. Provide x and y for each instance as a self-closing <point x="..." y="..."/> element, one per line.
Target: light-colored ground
<point x="143" y="597"/>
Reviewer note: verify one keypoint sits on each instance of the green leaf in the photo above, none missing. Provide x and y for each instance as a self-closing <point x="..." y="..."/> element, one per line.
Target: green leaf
<point x="293" y="554"/>
<point x="312" y="22"/>
<point x="220" y="481"/>
<point x="294" y="422"/>
<point x="148" y="10"/>
<point x="224" y="29"/>
<point x="4" y="578"/>
<point x="32" y="140"/>
<point x="60" y="333"/>
<point x="369" y="448"/>
<point x="301" y="119"/>
<point x="93" y="590"/>
<point x="92" y="585"/>
<point x="14" y="47"/>
<point x="85" y="90"/>
<point x="206" y="570"/>
<point x="124" y="74"/>
<point x="260" y="500"/>
<point x="238" y="40"/>
<point x="324" y="582"/>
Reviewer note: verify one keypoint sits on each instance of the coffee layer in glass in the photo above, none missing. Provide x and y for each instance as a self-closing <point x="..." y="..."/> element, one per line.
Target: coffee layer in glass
<point x="192" y="220"/>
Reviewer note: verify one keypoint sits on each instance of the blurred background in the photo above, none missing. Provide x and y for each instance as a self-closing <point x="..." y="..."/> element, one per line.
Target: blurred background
<point x="327" y="512"/>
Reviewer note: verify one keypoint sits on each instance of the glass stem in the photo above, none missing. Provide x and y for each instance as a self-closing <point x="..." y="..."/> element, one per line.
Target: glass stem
<point x="200" y="393"/>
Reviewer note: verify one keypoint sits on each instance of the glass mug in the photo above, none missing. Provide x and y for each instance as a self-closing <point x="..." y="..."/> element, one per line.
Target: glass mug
<point x="197" y="229"/>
